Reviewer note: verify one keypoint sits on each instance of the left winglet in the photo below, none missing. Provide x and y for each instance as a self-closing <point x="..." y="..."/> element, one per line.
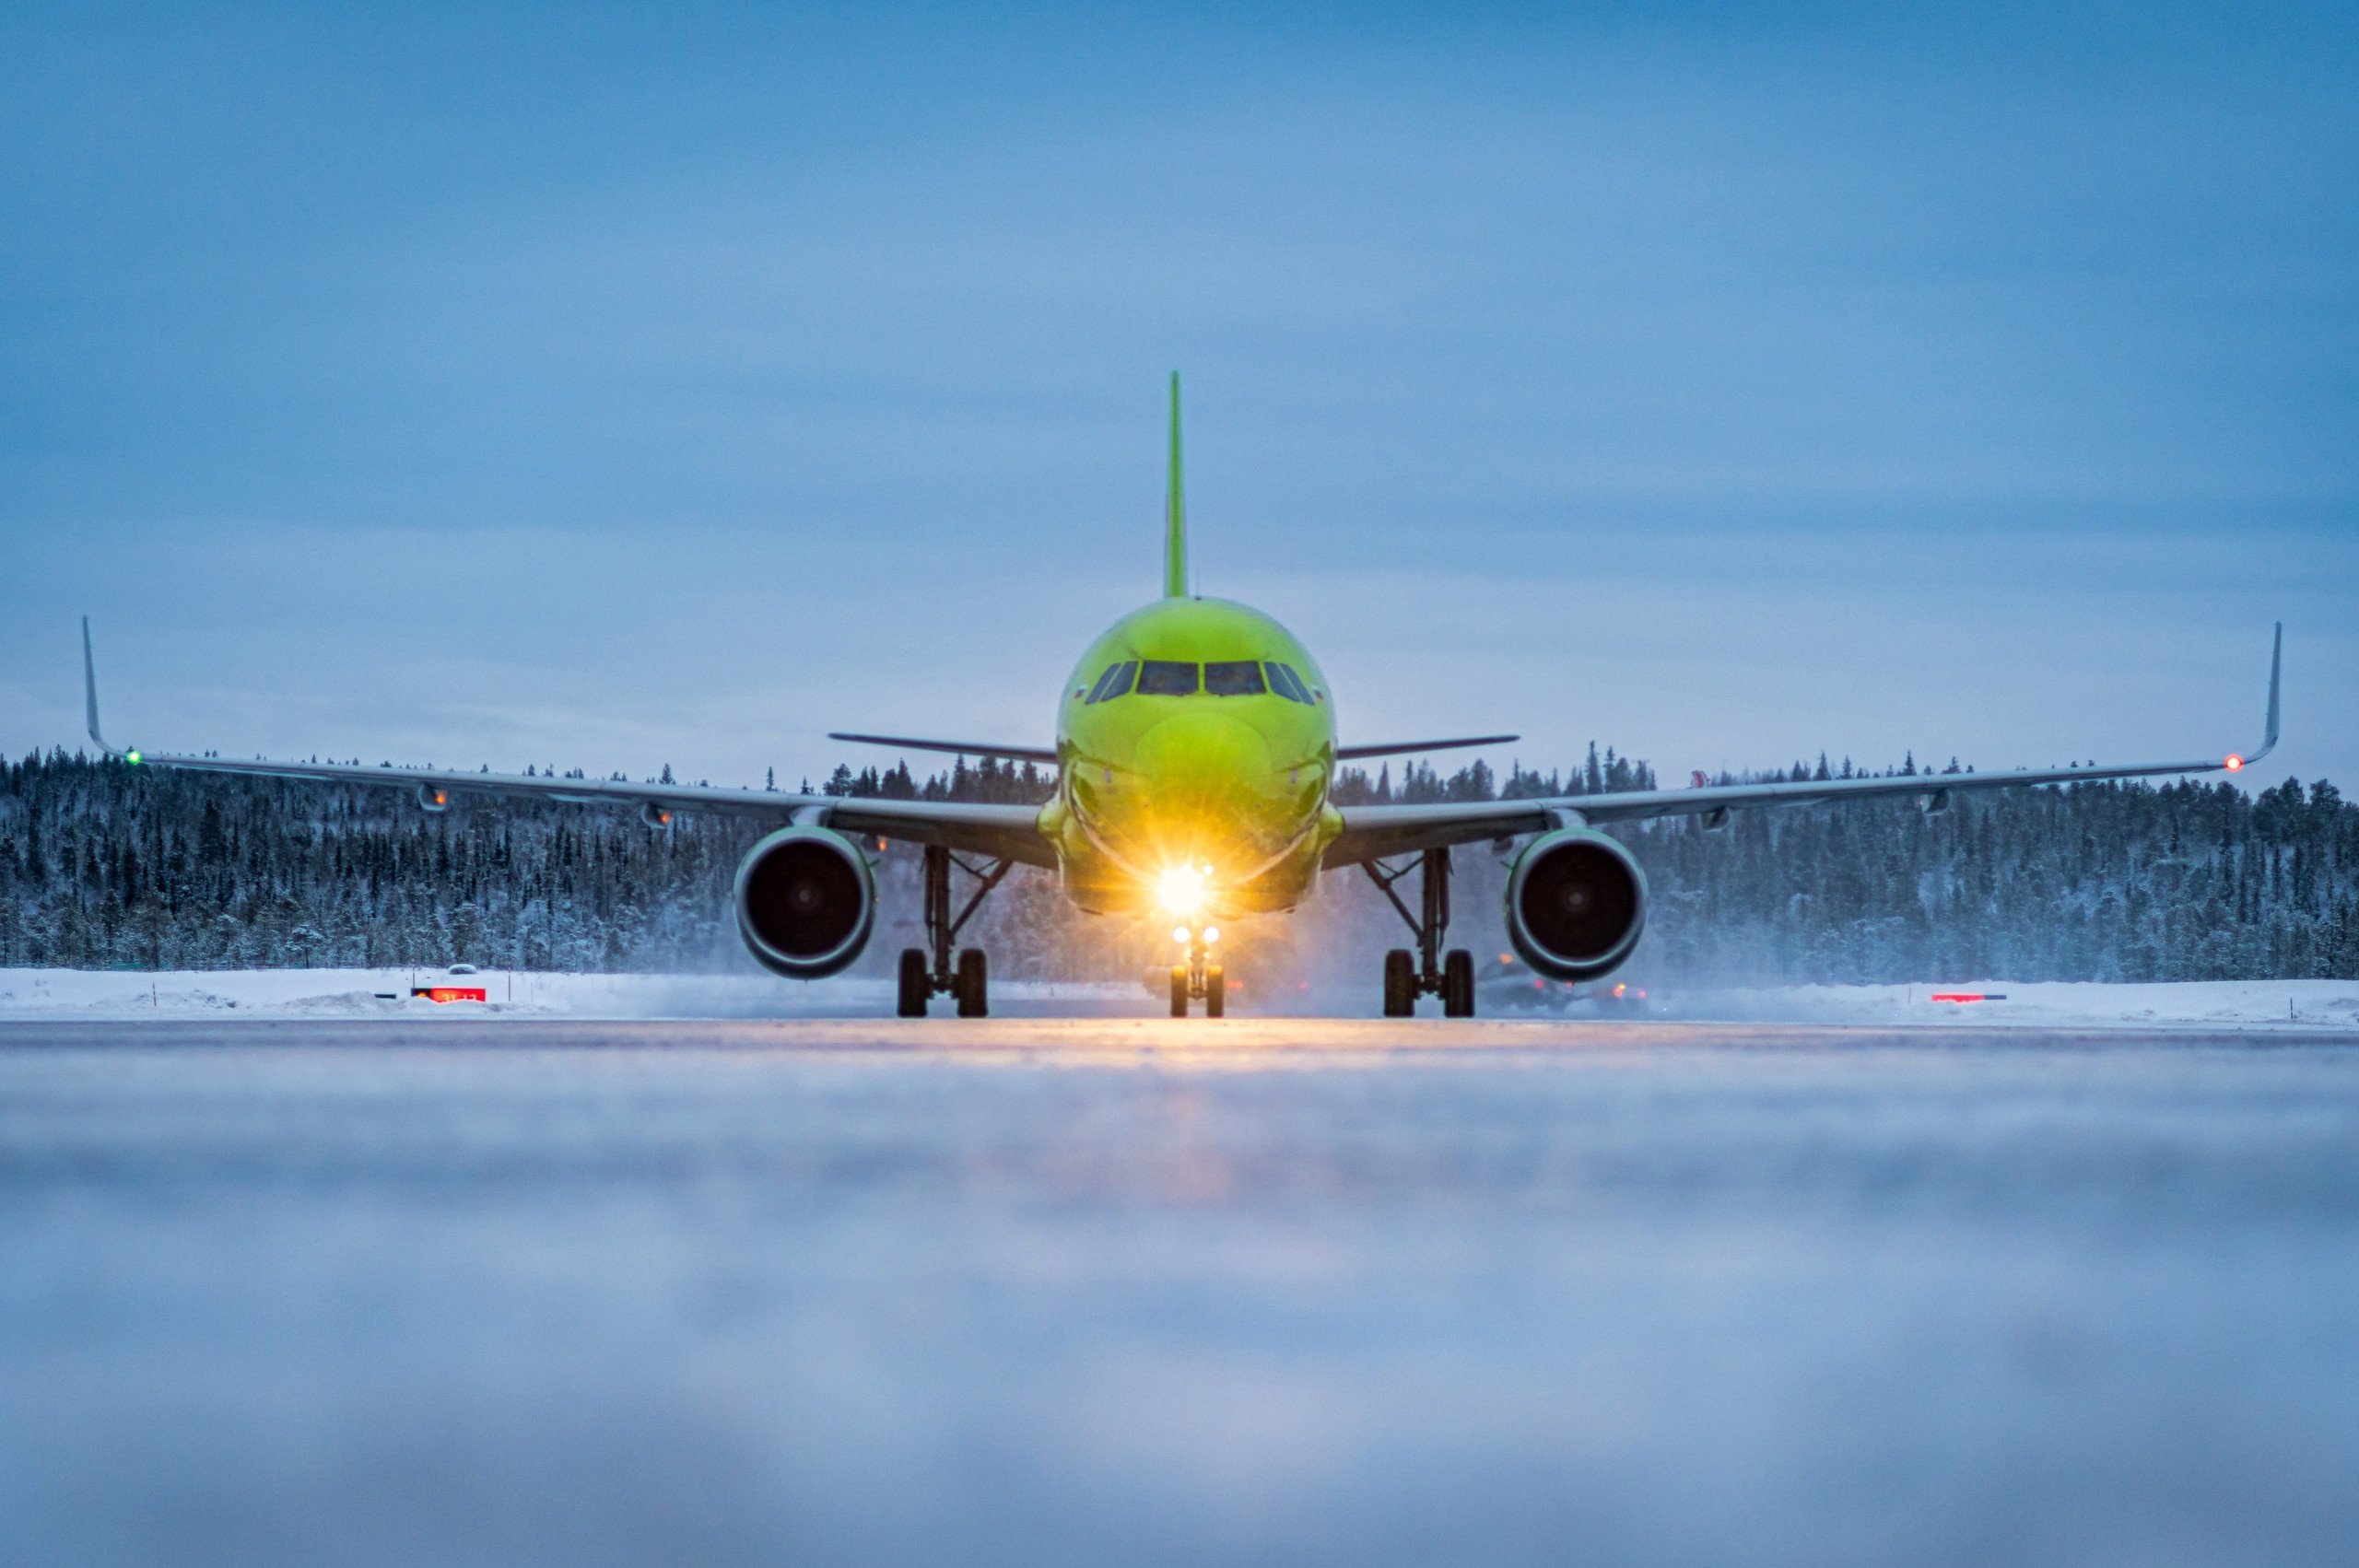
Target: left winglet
<point x="91" y="698"/>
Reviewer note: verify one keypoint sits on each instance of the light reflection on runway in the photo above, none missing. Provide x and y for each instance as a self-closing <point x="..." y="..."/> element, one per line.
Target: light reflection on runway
<point x="1150" y="1290"/>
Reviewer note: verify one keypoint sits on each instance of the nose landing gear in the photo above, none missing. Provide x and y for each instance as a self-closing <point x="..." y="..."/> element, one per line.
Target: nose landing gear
<point x="1199" y="977"/>
<point x="923" y="976"/>
<point x="1429" y="971"/>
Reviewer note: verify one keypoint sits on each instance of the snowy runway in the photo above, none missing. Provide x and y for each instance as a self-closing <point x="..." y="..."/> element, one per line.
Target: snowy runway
<point x="1090" y="1290"/>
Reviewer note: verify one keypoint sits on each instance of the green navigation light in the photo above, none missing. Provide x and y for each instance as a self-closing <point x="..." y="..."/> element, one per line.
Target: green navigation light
<point x="131" y="757"/>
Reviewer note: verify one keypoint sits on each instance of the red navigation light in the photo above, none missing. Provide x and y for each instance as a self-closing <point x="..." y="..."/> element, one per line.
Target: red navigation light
<point x="2233" y="763"/>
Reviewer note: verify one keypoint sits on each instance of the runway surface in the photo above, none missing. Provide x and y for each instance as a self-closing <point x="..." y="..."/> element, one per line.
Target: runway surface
<point x="1092" y="1291"/>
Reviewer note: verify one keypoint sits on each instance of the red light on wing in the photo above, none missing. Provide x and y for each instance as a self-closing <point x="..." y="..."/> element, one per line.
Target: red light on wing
<point x="2233" y="763"/>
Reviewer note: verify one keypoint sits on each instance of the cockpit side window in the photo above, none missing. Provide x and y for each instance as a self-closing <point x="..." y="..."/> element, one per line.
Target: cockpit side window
<point x="1114" y="682"/>
<point x="1167" y="677"/>
<point x="1288" y="684"/>
<point x="1236" y="677"/>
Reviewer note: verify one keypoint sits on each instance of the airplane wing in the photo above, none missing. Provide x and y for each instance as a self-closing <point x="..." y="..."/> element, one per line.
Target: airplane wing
<point x="1376" y="832"/>
<point x="1009" y="832"/>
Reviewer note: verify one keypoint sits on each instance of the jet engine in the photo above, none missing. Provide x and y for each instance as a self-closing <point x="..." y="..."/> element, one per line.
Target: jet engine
<point x="805" y="902"/>
<point x="1576" y="904"/>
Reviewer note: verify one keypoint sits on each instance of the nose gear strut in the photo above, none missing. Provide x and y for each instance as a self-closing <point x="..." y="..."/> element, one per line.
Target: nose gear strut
<point x="1199" y="978"/>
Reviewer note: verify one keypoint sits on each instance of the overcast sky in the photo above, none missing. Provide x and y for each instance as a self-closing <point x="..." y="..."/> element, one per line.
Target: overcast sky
<point x="540" y="387"/>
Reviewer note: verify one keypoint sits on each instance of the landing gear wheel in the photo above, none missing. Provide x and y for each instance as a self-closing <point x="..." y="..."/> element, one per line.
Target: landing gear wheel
<point x="917" y="983"/>
<point x="1458" y="984"/>
<point x="972" y="986"/>
<point x="1215" y="991"/>
<point x="1399" y="983"/>
<point x="1179" y="990"/>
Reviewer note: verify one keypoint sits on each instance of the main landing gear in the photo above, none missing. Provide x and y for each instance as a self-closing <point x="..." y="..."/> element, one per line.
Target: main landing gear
<point x="1429" y="971"/>
<point x="1199" y="977"/>
<point x="924" y="974"/>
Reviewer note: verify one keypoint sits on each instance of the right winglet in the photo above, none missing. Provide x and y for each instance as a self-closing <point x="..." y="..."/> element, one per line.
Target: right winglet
<point x="2268" y="732"/>
<point x="2276" y="664"/>
<point x="90" y="696"/>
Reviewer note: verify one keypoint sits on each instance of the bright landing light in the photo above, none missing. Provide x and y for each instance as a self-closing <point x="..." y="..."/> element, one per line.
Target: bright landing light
<point x="1183" y="890"/>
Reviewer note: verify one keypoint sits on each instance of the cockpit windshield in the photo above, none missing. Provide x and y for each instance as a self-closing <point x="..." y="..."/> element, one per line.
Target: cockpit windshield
<point x="1287" y="684"/>
<point x="1167" y="677"/>
<point x="1114" y="682"/>
<point x="1237" y="677"/>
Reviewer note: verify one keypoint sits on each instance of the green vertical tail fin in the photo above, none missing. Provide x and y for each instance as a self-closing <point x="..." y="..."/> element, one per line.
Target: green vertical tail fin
<point x="1175" y="514"/>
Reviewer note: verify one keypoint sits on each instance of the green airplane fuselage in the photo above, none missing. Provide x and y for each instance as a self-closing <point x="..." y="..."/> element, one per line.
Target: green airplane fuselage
<point x="1213" y="753"/>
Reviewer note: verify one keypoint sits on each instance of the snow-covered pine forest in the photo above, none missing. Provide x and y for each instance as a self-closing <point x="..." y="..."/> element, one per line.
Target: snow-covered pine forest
<point x="107" y="866"/>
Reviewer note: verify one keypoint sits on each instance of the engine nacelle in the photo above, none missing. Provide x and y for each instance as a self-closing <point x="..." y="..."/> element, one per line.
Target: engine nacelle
<point x="1576" y="904"/>
<point x="805" y="902"/>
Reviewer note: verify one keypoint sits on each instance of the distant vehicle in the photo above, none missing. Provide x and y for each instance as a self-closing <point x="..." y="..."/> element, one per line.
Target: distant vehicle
<point x="1195" y="752"/>
<point x="462" y="969"/>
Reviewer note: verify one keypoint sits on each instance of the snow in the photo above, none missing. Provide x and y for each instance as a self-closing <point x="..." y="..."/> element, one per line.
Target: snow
<point x="2240" y="1003"/>
<point x="385" y="993"/>
<point x="362" y="993"/>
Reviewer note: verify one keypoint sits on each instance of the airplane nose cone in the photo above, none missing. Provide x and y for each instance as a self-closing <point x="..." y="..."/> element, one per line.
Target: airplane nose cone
<point x="1204" y="761"/>
<point x="1205" y="780"/>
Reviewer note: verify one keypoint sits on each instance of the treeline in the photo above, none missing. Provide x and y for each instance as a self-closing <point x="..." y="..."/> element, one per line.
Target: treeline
<point x="107" y="866"/>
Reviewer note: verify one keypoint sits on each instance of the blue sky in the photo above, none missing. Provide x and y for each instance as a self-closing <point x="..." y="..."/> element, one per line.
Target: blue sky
<point x="612" y="388"/>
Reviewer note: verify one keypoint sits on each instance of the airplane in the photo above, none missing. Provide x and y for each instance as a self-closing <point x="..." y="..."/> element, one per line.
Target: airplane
<point x="1195" y="756"/>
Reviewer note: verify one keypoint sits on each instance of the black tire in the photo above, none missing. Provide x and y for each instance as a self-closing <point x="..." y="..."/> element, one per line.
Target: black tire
<point x="1179" y="990"/>
<point x="1399" y="983"/>
<point x="1458" y="984"/>
<point x="974" y="983"/>
<point x="1216" y="993"/>
<point x="917" y="983"/>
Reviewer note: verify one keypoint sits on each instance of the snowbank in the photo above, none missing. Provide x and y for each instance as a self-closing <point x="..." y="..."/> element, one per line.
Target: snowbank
<point x="2243" y="1003"/>
<point x="385" y="993"/>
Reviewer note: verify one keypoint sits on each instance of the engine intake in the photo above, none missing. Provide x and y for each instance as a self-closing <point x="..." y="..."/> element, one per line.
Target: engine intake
<point x="1576" y="904"/>
<point x="805" y="902"/>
